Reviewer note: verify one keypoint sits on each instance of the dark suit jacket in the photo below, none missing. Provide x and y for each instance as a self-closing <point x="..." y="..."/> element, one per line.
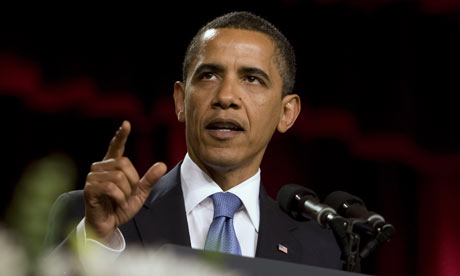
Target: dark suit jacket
<point x="162" y="220"/>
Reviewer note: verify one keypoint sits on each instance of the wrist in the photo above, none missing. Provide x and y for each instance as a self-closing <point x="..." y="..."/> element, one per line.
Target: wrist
<point x="102" y="236"/>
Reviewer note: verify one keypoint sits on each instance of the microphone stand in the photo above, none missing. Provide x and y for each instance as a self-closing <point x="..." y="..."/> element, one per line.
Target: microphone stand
<point x="379" y="236"/>
<point x="348" y="233"/>
<point x="348" y="242"/>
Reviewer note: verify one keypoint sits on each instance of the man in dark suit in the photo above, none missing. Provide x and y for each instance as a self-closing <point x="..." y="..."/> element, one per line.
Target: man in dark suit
<point x="238" y="76"/>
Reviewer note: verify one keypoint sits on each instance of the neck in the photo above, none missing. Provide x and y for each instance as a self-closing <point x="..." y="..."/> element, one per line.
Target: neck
<point x="231" y="178"/>
<point x="228" y="177"/>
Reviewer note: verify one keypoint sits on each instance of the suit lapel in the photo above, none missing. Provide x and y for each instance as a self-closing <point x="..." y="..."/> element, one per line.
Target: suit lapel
<point x="275" y="232"/>
<point x="162" y="219"/>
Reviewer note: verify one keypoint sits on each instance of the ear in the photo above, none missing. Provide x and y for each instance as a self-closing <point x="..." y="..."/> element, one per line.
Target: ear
<point x="179" y="97"/>
<point x="290" y="111"/>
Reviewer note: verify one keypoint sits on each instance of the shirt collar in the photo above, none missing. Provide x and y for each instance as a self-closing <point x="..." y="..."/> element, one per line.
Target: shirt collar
<point x="197" y="186"/>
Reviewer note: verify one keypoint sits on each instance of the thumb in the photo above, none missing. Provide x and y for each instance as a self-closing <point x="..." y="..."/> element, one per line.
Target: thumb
<point x="151" y="176"/>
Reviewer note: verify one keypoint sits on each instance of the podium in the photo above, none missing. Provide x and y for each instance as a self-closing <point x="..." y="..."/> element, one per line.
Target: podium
<point x="260" y="266"/>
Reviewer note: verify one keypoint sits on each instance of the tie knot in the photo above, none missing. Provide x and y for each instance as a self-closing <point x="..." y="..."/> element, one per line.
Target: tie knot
<point x="225" y="204"/>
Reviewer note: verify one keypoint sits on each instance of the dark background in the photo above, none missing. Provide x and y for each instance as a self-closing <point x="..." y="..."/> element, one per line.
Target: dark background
<point x="378" y="81"/>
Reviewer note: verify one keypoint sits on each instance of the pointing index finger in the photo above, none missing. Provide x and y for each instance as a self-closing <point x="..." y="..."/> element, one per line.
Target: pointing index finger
<point x="117" y="145"/>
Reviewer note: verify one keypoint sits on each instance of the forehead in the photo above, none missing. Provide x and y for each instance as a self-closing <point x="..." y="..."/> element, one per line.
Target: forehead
<point x="237" y="47"/>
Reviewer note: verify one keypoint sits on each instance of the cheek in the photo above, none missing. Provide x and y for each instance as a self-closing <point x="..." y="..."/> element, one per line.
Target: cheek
<point x="193" y="107"/>
<point x="265" y="116"/>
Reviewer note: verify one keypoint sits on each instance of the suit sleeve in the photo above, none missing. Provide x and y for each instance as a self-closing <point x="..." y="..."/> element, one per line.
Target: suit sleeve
<point x="67" y="211"/>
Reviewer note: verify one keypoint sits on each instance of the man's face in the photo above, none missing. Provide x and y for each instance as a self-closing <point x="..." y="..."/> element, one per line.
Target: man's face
<point x="231" y="100"/>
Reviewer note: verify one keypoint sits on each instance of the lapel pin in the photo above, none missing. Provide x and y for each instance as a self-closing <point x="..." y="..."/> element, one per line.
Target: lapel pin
<point x="282" y="248"/>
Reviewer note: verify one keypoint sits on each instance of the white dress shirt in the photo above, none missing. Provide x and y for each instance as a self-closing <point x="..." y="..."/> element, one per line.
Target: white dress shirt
<point x="197" y="186"/>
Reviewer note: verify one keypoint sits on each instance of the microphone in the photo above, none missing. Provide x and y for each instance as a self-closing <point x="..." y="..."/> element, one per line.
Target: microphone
<point x="351" y="206"/>
<point x="302" y="203"/>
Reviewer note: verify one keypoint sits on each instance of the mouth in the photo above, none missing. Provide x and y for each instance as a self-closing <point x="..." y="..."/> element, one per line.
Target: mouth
<point x="224" y="125"/>
<point x="224" y="129"/>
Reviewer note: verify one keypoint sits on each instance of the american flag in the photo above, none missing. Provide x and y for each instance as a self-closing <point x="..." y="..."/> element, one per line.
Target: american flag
<point x="282" y="248"/>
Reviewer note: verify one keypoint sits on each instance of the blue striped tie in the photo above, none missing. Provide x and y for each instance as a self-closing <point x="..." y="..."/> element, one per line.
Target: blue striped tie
<point x="221" y="235"/>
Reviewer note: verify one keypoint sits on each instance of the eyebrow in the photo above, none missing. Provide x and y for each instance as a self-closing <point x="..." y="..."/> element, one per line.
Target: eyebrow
<point x="209" y="67"/>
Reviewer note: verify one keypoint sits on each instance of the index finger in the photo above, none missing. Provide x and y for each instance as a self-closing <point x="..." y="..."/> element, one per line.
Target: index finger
<point x="117" y="145"/>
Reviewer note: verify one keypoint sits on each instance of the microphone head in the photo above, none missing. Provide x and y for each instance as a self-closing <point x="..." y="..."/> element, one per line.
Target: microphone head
<point x="288" y="199"/>
<point x="347" y="205"/>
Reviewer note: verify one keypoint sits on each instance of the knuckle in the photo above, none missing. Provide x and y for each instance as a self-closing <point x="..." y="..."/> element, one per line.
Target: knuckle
<point x="110" y="187"/>
<point x="88" y="184"/>
<point x="107" y="161"/>
<point x="113" y="141"/>
<point x="118" y="176"/>
<point x="95" y="166"/>
<point x="124" y="162"/>
<point x="90" y="176"/>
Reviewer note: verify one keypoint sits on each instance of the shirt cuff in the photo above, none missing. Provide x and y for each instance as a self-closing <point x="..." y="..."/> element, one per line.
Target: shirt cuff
<point x="91" y="251"/>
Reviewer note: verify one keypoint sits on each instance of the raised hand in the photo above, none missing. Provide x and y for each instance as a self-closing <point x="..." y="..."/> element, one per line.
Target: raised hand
<point x="113" y="191"/>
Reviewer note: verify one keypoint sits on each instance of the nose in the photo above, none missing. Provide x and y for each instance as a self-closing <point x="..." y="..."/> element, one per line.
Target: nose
<point x="227" y="95"/>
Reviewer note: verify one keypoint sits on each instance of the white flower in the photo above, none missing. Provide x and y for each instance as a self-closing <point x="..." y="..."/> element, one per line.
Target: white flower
<point x="134" y="261"/>
<point x="13" y="260"/>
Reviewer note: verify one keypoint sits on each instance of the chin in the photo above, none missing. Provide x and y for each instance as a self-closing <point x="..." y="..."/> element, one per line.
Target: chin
<point x="221" y="158"/>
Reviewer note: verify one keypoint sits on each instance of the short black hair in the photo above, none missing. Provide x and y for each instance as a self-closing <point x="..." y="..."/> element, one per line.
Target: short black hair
<point x="285" y="57"/>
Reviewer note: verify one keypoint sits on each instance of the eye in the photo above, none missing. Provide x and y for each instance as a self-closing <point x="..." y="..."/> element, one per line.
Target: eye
<point x="206" y="76"/>
<point x="254" y="79"/>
